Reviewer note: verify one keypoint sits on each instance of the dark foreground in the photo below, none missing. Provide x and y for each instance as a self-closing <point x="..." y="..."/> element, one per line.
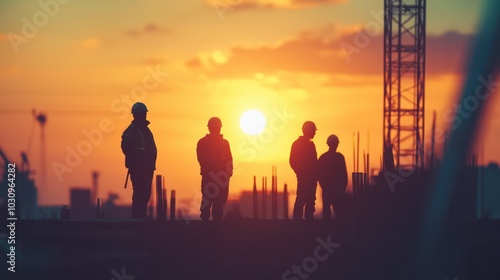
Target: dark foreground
<point x="244" y="249"/>
<point x="381" y="240"/>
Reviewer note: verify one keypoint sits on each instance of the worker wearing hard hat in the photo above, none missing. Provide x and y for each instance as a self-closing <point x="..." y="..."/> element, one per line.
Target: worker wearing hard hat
<point x="216" y="164"/>
<point x="332" y="177"/>
<point x="303" y="160"/>
<point x="139" y="148"/>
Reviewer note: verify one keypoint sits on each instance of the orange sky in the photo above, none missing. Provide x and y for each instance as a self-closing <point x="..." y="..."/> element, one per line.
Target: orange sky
<point x="190" y="60"/>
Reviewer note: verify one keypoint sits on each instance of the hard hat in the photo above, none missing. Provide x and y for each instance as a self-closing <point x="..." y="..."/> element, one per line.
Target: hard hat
<point x="332" y="140"/>
<point x="214" y="122"/>
<point x="309" y="125"/>
<point x="139" y="107"/>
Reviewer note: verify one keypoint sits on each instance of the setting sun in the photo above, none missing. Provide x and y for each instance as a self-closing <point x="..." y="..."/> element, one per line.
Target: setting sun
<point x="252" y="122"/>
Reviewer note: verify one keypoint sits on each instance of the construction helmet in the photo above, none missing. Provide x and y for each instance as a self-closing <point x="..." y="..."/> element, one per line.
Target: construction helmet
<point x="139" y="107"/>
<point x="214" y="122"/>
<point x="332" y="140"/>
<point x="309" y="126"/>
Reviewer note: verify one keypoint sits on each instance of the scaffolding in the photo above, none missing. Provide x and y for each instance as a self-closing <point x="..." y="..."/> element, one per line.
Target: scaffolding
<point x="404" y="82"/>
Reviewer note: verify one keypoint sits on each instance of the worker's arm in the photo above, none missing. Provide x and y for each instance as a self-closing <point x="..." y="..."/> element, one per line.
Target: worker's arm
<point x="127" y="144"/>
<point x="343" y="172"/>
<point x="201" y="156"/>
<point x="321" y="172"/>
<point x="229" y="159"/>
<point x="294" y="158"/>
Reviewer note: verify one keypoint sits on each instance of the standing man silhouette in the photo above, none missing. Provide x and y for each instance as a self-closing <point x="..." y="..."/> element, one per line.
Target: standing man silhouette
<point x="332" y="177"/>
<point x="139" y="148"/>
<point x="303" y="160"/>
<point x="216" y="164"/>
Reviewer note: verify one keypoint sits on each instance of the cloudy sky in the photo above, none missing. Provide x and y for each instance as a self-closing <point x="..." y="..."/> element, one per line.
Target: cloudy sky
<point x="83" y="63"/>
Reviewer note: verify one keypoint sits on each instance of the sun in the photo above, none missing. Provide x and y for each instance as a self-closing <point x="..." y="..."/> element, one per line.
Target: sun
<point x="252" y="122"/>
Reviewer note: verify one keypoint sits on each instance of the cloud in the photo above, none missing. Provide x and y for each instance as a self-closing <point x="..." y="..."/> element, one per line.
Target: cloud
<point x="269" y="4"/>
<point x="194" y="63"/>
<point x="349" y="53"/>
<point x="447" y="53"/>
<point x="150" y="29"/>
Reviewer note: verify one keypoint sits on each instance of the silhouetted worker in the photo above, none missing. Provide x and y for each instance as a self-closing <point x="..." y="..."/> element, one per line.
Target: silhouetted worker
<point x="332" y="177"/>
<point x="216" y="164"/>
<point x="139" y="148"/>
<point x="303" y="160"/>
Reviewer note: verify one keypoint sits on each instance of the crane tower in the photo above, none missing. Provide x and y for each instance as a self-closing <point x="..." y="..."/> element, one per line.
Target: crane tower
<point x="404" y="82"/>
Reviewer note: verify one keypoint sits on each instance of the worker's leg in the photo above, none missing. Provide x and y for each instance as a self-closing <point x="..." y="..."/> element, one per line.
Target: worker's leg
<point x="326" y="195"/>
<point x="340" y="206"/>
<point x="300" y="200"/>
<point x="218" y="205"/>
<point x="310" y="200"/>
<point x="206" y="204"/>
<point x="141" y="183"/>
<point x="208" y="193"/>
<point x="298" y="207"/>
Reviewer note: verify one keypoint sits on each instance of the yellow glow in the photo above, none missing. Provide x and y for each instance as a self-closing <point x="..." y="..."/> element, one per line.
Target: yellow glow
<point x="252" y="122"/>
<point x="219" y="57"/>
